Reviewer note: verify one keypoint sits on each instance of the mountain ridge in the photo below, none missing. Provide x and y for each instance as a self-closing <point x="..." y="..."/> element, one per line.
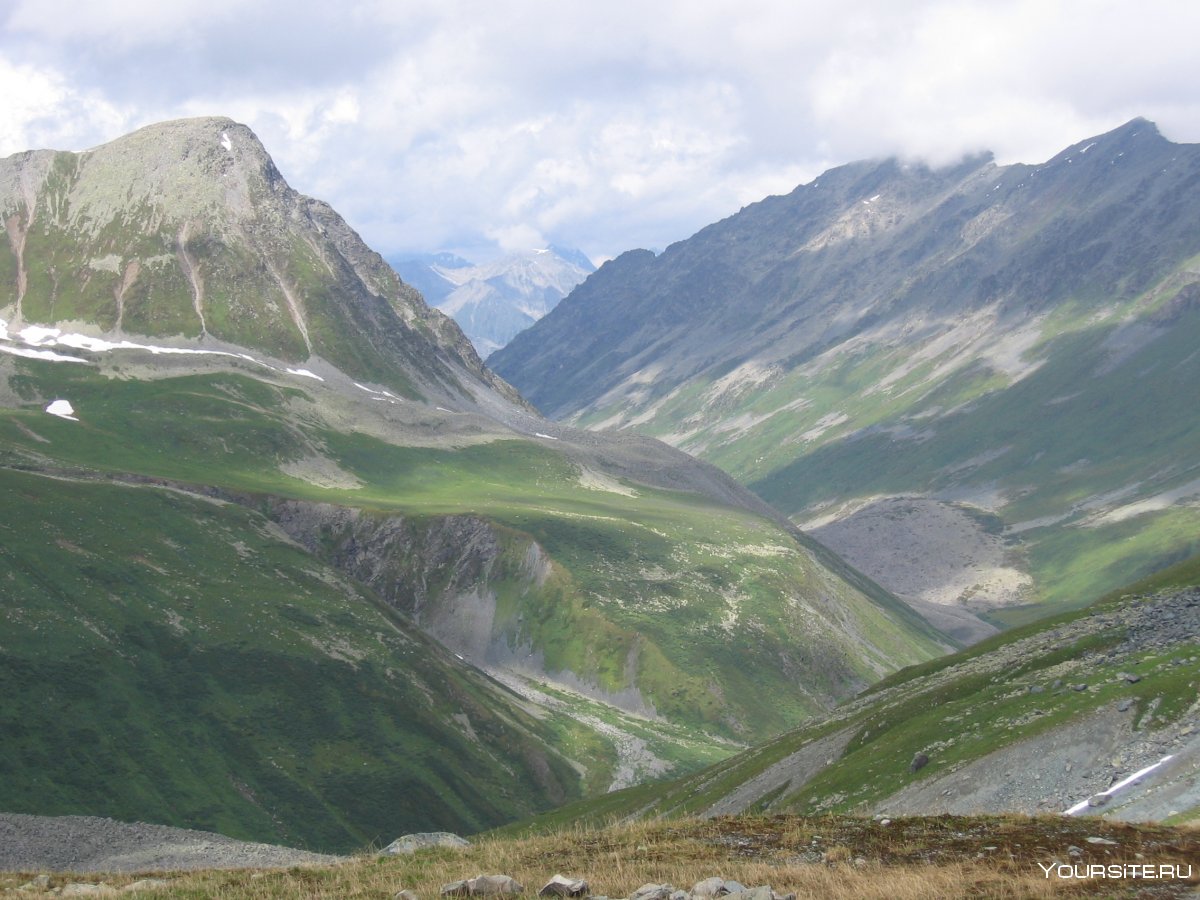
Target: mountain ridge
<point x="891" y="334"/>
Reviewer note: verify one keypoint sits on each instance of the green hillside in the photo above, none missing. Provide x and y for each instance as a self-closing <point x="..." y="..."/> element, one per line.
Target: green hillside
<point x="687" y="602"/>
<point x="174" y="659"/>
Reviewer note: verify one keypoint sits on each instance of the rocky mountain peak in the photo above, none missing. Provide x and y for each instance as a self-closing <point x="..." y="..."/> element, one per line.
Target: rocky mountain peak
<point x="187" y="229"/>
<point x="211" y="167"/>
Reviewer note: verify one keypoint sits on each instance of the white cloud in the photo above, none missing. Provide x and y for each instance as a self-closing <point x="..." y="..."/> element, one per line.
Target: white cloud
<point x="39" y="108"/>
<point x="467" y="123"/>
<point x="120" y="24"/>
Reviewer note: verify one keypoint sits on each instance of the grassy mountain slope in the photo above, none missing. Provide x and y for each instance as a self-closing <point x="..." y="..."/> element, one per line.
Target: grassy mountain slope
<point x="663" y="603"/>
<point x="172" y="658"/>
<point x="678" y="599"/>
<point x="890" y="348"/>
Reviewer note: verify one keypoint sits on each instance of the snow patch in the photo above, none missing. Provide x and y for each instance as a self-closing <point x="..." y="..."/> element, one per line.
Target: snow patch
<point x="226" y="142"/>
<point x="1140" y="773"/>
<point x="304" y="373"/>
<point x="41" y="336"/>
<point x="37" y="335"/>
<point x="378" y="395"/>
<point x="62" y="409"/>
<point x="548" y="437"/>
<point x="48" y="355"/>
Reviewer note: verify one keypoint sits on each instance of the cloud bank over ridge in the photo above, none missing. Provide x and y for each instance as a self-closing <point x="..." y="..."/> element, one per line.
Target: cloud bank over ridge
<point x="492" y="126"/>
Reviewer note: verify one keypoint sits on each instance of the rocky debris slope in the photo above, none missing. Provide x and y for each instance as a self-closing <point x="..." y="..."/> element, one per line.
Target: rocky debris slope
<point x="1085" y="758"/>
<point x="93" y="844"/>
<point x="1085" y="755"/>
<point x="1095" y="713"/>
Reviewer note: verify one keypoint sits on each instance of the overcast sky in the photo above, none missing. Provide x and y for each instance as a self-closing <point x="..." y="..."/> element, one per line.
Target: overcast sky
<point x="490" y="126"/>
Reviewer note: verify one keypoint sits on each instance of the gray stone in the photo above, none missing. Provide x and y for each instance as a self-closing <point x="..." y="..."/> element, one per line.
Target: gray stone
<point x="919" y="761"/>
<point x="562" y="886"/>
<point x="762" y="892"/>
<point x="405" y="894"/>
<point x="411" y="843"/>
<point x="494" y="885"/>
<point x="483" y="886"/>
<point x="1104" y="841"/>
<point x="651" y="891"/>
<point x="710" y="887"/>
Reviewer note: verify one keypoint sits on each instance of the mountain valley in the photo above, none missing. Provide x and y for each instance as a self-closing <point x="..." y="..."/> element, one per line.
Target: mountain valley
<point x="290" y="563"/>
<point x="974" y="383"/>
<point x="494" y="302"/>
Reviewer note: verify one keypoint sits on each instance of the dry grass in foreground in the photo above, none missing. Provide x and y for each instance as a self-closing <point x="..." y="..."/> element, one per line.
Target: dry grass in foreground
<point x="826" y="857"/>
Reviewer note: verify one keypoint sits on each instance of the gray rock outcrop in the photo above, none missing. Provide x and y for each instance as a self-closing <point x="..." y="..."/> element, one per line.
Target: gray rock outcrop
<point x="423" y="840"/>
